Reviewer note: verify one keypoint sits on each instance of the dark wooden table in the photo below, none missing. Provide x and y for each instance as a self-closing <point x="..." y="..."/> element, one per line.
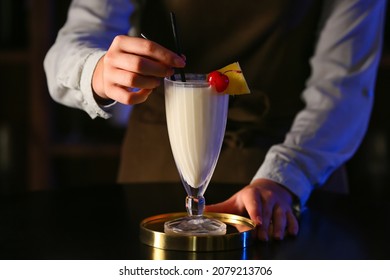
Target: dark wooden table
<point x="102" y="222"/>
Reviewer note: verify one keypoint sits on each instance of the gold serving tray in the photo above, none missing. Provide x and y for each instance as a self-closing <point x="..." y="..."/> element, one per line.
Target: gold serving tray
<point x="239" y="234"/>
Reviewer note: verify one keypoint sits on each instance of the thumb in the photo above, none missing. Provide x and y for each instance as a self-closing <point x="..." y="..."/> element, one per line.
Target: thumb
<point x="140" y="95"/>
<point x="227" y="206"/>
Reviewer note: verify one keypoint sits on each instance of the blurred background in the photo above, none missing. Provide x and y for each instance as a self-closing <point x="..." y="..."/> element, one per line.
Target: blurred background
<point x="45" y="145"/>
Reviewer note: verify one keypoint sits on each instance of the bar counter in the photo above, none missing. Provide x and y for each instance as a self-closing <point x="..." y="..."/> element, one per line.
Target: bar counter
<point x="102" y="222"/>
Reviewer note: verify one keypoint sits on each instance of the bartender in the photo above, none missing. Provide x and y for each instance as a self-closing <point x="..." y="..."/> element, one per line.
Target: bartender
<point x="311" y="67"/>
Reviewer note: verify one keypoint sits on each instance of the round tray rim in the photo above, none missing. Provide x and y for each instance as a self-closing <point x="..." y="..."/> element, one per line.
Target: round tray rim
<point x="229" y="241"/>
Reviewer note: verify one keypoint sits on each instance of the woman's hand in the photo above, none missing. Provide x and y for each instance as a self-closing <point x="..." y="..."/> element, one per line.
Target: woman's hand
<point x="268" y="204"/>
<point x="133" y="63"/>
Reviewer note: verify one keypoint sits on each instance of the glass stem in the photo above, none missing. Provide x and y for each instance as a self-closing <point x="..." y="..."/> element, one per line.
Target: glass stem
<point x="195" y="205"/>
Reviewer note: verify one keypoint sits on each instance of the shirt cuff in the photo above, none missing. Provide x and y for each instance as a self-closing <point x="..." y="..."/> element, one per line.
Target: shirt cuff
<point x="284" y="172"/>
<point x="89" y="103"/>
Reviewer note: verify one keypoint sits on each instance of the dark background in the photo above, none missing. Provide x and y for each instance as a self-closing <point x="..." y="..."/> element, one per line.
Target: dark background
<point x="45" y="145"/>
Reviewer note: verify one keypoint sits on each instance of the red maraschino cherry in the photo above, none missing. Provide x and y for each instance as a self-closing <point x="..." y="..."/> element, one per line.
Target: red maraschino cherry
<point x="219" y="80"/>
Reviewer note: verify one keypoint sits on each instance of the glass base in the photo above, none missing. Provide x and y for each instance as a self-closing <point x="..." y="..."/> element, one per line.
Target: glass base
<point x="195" y="225"/>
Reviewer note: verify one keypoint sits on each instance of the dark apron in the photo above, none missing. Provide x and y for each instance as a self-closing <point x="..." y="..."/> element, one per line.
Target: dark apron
<point x="273" y="41"/>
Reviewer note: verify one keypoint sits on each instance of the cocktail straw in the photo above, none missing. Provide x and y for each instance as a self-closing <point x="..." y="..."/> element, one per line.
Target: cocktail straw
<point x="177" y="43"/>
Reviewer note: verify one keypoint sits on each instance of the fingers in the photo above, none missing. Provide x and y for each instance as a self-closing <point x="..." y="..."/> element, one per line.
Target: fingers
<point x="252" y="201"/>
<point x="137" y="64"/>
<point x="132" y="62"/>
<point x="269" y="205"/>
<point x="147" y="48"/>
<point x="266" y="206"/>
<point x="122" y="78"/>
<point x="228" y="206"/>
<point x="126" y="96"/>
<point x="292" y="224"/>
<point x="118" y="84"/>
<point x="279" y="222"/>
<point x="284" y="223"/>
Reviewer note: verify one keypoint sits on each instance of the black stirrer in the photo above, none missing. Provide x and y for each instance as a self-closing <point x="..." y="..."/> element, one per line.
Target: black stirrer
<point x="177" y="43"/>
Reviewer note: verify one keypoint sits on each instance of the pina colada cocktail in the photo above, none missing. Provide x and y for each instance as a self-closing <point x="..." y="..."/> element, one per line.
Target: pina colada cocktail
<point x="196" y="118"/>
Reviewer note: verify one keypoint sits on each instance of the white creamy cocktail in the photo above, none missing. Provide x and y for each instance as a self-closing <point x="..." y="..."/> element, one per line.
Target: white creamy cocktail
<point x="196" y="119"/>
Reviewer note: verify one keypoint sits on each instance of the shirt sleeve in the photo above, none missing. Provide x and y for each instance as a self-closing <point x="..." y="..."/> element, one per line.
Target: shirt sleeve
<point x="338" y="98"/>
<point x="87" y="34"/>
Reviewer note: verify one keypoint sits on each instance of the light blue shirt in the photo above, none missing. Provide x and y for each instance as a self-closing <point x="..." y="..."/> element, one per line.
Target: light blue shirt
<point x="339" y="93"/>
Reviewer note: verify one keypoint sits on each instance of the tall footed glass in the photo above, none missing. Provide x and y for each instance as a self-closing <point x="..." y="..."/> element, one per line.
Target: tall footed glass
<point x="196" y="119"/>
